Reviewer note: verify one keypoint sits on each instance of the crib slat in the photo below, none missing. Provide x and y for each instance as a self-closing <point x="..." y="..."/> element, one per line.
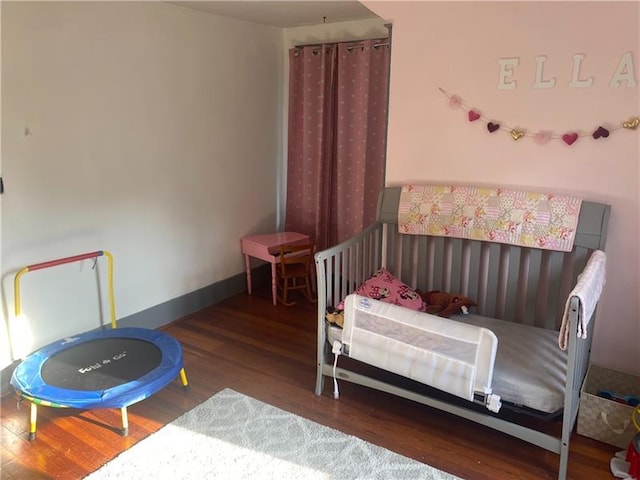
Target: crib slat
<point x="503" y="278"/>
<point x="429" y="252"/>
<point x="438" y="263"/>
<point x="420" y="263"/>
<point x="542" y="293"/>
<point x="356" y="265"/>
<point x="396" y="253"/>
<point x="550" y="306"/>
<point x="564" y="286"/>
<point x="447" y="257"/>
<point x="455" y="264"/>
<point x="483" y="278"/>
<point x="522" y="284"/>
<point x="346" y="280"/>
<point x="474" y="271"/>
<point x="465" y="260"/>
<point x="333" y="279"/>
<point x="414" y="261"/>
<point x="535" y="265"/>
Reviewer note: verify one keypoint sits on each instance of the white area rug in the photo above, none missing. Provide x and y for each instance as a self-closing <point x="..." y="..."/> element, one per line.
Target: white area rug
<point x="232" y="436"/>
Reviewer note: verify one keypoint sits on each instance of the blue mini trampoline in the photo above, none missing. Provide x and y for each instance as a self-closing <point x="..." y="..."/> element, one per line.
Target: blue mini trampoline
<point x="106" y="368"/>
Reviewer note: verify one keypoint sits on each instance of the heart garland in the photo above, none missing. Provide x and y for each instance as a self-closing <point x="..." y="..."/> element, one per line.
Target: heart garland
<point x="543" y="136"/>
<point x="493" y="127"/>
<point x="632" y="124"/>
<point x="600" y="132"/>
<point x="517" y="134"/>
<point x="570" y="138"/>
<point x="473" y="115"/>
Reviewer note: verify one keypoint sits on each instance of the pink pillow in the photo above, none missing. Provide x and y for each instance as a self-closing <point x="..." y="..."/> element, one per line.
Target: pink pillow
<point x="383" y="286"/>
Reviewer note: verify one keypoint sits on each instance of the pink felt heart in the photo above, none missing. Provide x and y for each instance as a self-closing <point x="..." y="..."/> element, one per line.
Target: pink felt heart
<point x="600" y="132"/>
<point x="473" y="115"/>
<point x="492" y="127"/>
<point x="542" y="137"/>
<point x="570" y="138"/>
<point x="455" y="101"/>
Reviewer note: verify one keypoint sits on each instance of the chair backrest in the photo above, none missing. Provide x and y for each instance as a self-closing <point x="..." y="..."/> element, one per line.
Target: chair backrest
<point x="296" y="255"/>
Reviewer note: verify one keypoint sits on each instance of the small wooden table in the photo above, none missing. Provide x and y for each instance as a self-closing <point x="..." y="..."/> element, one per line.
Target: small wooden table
<point x="266" y="247"/>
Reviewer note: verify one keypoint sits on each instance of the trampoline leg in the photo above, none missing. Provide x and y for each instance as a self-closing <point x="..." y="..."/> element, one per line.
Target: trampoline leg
<point x="125" y="422"/>
<point x="183" y="377"/>
<point x="32" y="422"/>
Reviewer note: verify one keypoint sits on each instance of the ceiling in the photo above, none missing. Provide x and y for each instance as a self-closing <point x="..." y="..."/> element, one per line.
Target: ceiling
<point x="285" y="14"/>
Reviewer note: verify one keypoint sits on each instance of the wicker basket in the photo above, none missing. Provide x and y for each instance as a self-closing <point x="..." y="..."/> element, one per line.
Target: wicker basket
<point x="603" y="419"/>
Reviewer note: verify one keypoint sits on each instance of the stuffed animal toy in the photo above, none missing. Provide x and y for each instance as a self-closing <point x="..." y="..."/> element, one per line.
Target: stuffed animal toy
<point x="437" y="303"/>
<point x="445" y="304"/>
<point x="335" y="316"/>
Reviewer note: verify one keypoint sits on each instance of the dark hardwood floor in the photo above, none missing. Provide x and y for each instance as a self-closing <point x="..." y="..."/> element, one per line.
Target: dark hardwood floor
<point x="267" y="352"/>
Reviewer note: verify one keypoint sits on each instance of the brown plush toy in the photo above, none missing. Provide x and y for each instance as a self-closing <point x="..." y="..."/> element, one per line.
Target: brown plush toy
<point x="436" y="302"/>
<point x="445" y="304"/>
<point x="335" y="316"/>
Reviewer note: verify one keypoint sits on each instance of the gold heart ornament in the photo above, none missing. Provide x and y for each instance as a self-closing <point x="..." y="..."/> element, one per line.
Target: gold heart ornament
<point x="517" y="134"/>
<point x="632" y="124"/>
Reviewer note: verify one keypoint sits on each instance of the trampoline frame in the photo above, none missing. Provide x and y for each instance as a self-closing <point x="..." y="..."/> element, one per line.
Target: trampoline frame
<point x="34" y="400"/>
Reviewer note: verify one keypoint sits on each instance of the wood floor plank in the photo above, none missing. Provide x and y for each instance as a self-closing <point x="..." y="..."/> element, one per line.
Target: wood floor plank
<point x="269" y="353"/>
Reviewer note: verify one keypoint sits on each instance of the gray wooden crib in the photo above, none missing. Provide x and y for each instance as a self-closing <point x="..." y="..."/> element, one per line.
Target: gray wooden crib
<point x="525" y="286"/>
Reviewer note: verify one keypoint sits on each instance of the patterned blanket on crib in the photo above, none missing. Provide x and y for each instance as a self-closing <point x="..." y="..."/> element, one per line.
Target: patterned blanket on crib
<point x="513" y="217"/>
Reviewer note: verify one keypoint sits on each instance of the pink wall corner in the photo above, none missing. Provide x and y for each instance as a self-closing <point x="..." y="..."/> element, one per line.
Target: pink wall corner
<point x="456" y="46"/>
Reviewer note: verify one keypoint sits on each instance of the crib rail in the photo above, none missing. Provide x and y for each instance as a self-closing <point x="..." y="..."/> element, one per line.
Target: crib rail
<point x="518" y="284"/>
<point x="341" y="269"/>
<point x="523" y="285"/>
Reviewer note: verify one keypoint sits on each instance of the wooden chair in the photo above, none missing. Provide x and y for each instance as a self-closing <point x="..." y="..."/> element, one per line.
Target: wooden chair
<point x="294" y="272"/>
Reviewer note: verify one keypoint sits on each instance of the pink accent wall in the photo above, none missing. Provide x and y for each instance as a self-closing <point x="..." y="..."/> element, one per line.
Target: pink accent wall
<point x="456" y="46"/>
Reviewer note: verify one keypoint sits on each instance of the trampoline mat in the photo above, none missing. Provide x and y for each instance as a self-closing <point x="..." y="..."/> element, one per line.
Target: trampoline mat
<point x="101" y="364"/>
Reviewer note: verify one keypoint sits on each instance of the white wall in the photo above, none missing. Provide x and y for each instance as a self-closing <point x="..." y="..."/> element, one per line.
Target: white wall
<point x="155" y="133"/>
<point x="334" y="32"/>
<point x="4" y="337"/>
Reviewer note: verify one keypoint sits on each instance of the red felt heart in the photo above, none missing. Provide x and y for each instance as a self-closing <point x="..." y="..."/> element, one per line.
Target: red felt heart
<point x="473" y="115"/>
<point x="492" y="127"/>
<point x="600" y="132"/>
<point x="570" y="138"/>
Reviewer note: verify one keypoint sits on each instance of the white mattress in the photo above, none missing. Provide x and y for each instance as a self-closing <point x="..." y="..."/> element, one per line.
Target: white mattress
<point x="530" y="369"/>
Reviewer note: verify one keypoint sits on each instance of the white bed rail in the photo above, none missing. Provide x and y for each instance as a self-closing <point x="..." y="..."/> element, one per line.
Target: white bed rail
<point x="455" y="357"/>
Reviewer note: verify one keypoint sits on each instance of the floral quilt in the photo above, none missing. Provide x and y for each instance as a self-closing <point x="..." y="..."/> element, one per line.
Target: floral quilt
<point x="540" y="220"/>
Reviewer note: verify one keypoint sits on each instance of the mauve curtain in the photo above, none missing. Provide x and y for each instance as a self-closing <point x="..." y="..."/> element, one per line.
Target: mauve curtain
<point x="337" y="138"/>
